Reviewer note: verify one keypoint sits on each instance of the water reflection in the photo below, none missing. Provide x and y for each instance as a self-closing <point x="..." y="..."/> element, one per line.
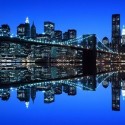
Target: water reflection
<point x="55" y="80"/>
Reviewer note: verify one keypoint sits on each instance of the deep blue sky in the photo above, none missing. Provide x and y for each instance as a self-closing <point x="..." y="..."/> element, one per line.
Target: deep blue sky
<point x="86" y="16"/>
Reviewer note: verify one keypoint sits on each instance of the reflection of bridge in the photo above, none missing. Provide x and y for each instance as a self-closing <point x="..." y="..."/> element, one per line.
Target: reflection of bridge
<point x="87" y="50"/>
<point x="52" y="87"/>
<point x="19" y="76"/>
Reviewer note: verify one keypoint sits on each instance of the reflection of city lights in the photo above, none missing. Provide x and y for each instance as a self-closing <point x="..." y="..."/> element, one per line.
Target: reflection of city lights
<point x="123" y="94"/>
<point x="27" y="104"/>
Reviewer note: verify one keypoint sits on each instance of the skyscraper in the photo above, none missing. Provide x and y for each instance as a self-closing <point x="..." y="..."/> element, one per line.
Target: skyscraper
<point x="5" y="30"/>
<point x="49" y="96"/>
<point x="27" y="28"/>
<point x="1" y="31"/>
<point x="72" y="33"/>
<point x="116" y="31"/>
<point x="33" y="31"/>
<point x="58" y="35"/>
<point x="105" y="41"/>
<point x="49" y="28"/>
<point x="21" y="31"/>
<point x="116" y="92"/>
<point x="65" y="36"/>
<point x="33" y="93"/>
<point x="123" y="36"/>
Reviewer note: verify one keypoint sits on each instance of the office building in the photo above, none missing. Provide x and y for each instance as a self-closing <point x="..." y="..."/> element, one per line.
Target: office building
<point x="105" y="41"/>
<point x="72" y="34"/>
<point x="43" y="37"/>
<point x="33" y="31"/>
<point x="58" y="36"/>
<point x="5" y="30"/>
<point x="116" y="36"/>
<point x="23" y="94"/>
<point x="66" y="88"/>
<point x="1" y="34"/>
<point x="123" y="89"/>
<point x="65" y="36"/>
<point x="21" y="31"/>
<point x="33" y="93"/>
<point x="116" y="92"/>
<point x="49" y="28"/>
<point x="27" y="28"/>
<point x="72" y="90"/>
<point x="5" y="95"/>
<point x="49" y="96"/>
<point x="58" y="88"/>
<point x="123" y="36"/>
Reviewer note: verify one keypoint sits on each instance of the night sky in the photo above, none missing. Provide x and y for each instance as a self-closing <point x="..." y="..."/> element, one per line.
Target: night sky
<point x="86" y="16"/>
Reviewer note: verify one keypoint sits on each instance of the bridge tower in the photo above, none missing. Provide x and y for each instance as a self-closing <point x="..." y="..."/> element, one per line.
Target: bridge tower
<point x="89" y="54"/>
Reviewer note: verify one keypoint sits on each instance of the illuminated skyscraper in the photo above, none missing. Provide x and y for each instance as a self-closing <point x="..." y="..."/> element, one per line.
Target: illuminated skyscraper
<point x="116" y="36"/>
<point x="72" y="90"/>
<point x="123" y="36"/>
<point x="58" y="35"/>
<point x="72" y="33"/>
<point x="23" y="94"/>
<point x="49" y="28"/>
<point x="123" y="89"/>
<point x="27" y="28"/>
<point x="5" y="95"/>
<point x="116" y="93"/>
<point x="49" y="96"/>
<point x="5" y="30"/>
<point x="58" y="88"/>
<point x="1" y="31"/>
<point x="21" y="31"/>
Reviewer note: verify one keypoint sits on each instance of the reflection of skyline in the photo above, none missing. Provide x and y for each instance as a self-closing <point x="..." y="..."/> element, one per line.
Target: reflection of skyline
<point x="69" y="85"/>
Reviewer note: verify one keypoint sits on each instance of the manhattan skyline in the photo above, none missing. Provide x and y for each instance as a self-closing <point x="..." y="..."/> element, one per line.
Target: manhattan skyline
<point x="87" y="17"/>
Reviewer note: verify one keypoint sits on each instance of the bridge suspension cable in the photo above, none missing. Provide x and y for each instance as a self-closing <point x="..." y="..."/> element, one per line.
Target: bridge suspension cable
<point x="109" y="50"/>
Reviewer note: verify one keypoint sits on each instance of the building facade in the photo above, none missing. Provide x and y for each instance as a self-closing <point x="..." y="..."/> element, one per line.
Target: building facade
<point x="72" y="34"/>
<point x="5" y="30"/>
<point x="65" y="36"/>
<point x="58" y="36"/>
<point x="21" y="31"/>
<point x="116" y="35"/>
<point x="49" y="28"/>
<point x="105" y="41"/>
<point x="123" y="36"/>
<point x="27" y="28"/>
<point x="33" y="31"/>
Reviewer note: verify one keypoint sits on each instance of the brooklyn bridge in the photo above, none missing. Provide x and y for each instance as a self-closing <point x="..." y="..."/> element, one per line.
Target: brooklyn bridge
<point x="87" y="50"/>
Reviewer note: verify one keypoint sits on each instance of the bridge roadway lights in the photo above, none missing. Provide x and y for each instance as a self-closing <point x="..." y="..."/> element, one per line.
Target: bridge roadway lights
<point x="89" y="62"/>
